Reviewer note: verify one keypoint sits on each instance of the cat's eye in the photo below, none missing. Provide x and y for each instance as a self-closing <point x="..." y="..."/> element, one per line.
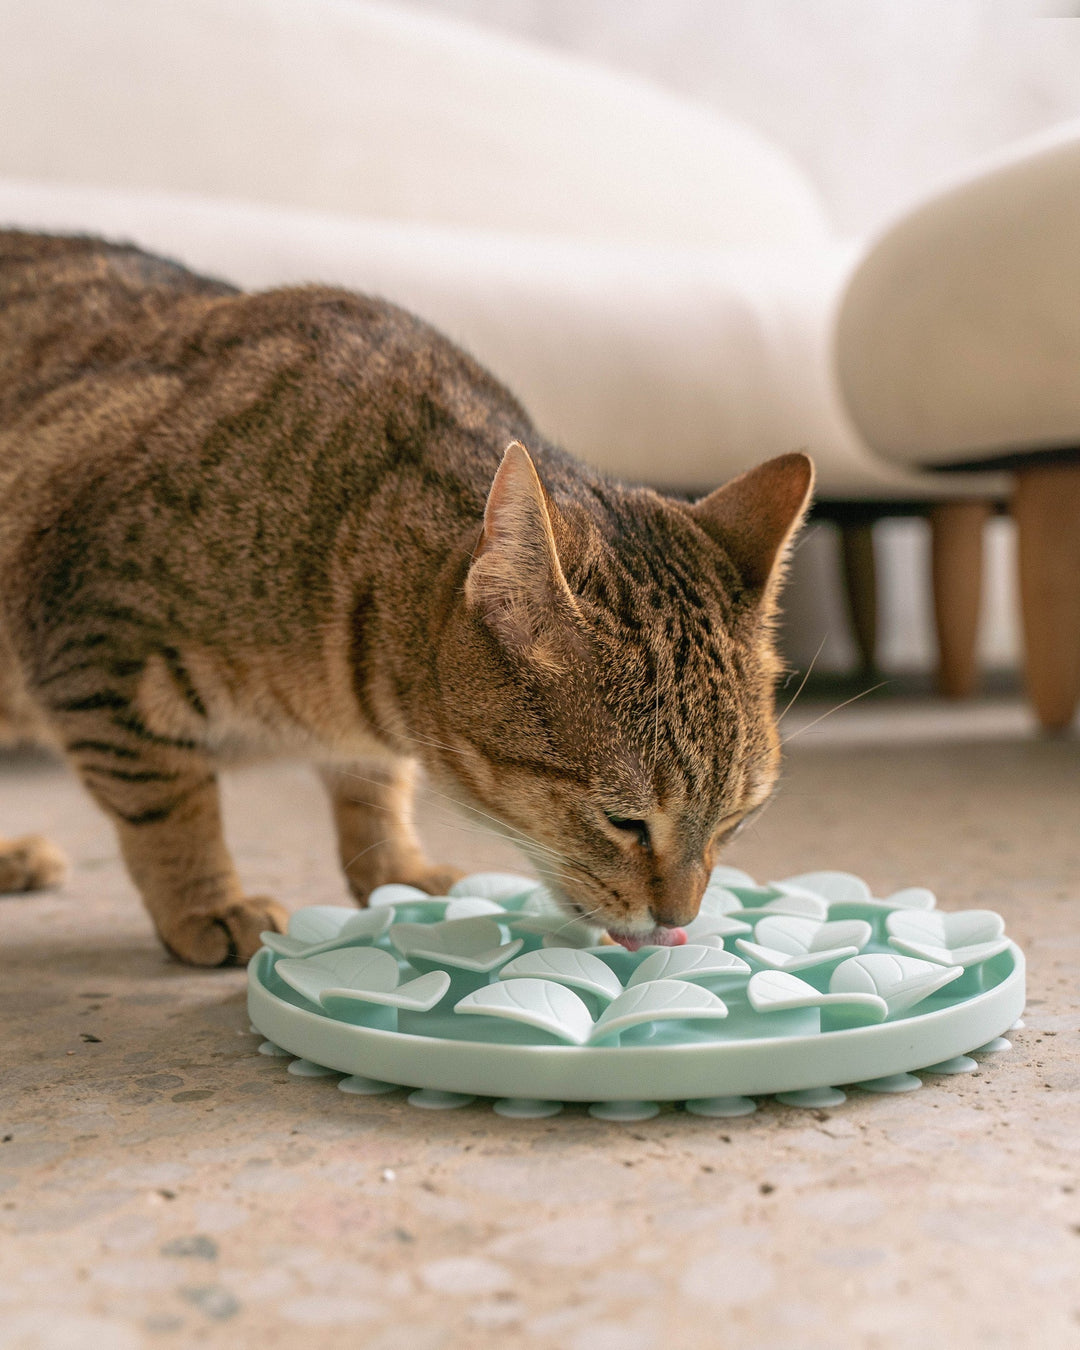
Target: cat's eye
<point x="638" y="828"/>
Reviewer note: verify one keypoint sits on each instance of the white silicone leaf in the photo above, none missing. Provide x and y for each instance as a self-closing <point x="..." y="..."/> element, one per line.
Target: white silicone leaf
<point x="565" y="965"/>
<point x="557" y="924"/>
<point x="719" y="900"/>
<point x="971" y="955"/>
<point x="799" y="904"/>
<point x="660" y="1000"/>
<point x="470" y="906"/>
<point x="496" y="886"/>
<point x="322" y="927"/>
<point x="419" y="995"/>
<point x="936" y="928"/>
<point x="691" y="962"/>
<point x="318" y="923"/>
<point x="394" y="893"/>
<point x="902" y="981"/>
<point x="466" y="944"/>
<point x="713" y="926"/>
<point x="542" y="1004"/>
<point x="778" y="960"/>
<point x="838" y="888"/>
<point x="348" y="967"/>
<point x="770" y="990"/>
<point x="912" y="897"/>
<point x="841" y="933"/>
<point x="722" y="875"/>
<point x="777" y="991"/>
<point x="797" y="936"/>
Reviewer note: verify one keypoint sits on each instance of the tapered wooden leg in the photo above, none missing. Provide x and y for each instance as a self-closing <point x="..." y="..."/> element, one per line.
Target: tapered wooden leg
<point x="1046" y="506"/>
<point x="860" y="580"/>
<point x="956" y="551"/>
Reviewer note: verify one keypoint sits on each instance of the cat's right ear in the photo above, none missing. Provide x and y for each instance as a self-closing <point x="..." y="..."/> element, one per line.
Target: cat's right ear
<point x="516" y="582"/>
<point x="755" y="517"/>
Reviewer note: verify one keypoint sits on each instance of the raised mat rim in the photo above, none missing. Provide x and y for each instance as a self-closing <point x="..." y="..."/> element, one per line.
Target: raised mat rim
<point x="631" y="1073"/>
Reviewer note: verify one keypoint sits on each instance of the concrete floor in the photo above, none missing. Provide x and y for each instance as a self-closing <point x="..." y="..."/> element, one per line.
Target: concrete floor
<point x="162" y="1184"/>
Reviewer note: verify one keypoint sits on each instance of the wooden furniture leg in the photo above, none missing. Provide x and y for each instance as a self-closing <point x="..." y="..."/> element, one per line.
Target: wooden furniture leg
<point x="956" y="554"/>
<point x="1046" y="506"/>
<point x="860" y="583"/>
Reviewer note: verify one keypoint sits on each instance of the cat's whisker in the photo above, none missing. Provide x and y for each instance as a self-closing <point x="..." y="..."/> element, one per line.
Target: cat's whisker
<point x="452" y="819"/>
<point x="854" y="699"/>
<point x="802" y="682"/>
<point x="378" y="842"/>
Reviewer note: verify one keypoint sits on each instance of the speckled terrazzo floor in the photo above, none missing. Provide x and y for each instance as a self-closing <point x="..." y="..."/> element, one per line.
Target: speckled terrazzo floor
<point x="162" y="1184"/>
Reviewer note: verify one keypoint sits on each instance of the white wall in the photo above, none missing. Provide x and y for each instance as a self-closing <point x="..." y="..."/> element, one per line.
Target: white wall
<point x="876" y="99"/>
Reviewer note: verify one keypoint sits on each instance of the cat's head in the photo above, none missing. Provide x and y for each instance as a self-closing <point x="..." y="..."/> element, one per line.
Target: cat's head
<point x="606" y="684"/>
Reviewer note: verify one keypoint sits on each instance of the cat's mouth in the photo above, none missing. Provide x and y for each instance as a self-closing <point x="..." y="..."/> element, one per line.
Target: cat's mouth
<point x="659" y="937"/>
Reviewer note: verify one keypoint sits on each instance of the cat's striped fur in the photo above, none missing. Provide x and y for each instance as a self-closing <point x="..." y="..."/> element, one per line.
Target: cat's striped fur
<point x="255" y="525"/>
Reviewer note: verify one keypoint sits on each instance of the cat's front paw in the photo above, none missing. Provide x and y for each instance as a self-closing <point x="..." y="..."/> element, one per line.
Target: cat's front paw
<point x="435" y="880"/>
<point x="30" y="863"/>
<point x="227" y="938"/>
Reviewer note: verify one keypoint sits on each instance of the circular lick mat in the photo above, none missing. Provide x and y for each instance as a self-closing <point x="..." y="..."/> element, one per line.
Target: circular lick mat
<point x="789" y="988"/>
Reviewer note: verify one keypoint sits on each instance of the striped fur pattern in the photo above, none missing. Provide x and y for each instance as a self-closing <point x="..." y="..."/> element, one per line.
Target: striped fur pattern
<point x="304" y="523"/>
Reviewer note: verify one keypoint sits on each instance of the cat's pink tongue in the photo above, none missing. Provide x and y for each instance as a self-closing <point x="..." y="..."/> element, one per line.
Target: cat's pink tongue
<point x="659" y="937"/>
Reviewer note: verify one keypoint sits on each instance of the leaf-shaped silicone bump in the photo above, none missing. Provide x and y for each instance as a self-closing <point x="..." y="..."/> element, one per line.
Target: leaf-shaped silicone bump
<point x="317" y="923"/>
<point x="912" y="897"/>
<point x="938" y="928"/>
<point x="565" y="965"/>
<point x="798" y="936"/>
<point x="719" y="900"/>
<point x="779" y="991"/>
<point x="842" y="933"/>
<point x="465" y="944"/>
<point x="902" y="981"/>
<point x="470" y="906"/>
<point x="973" y="955"/>
<point x="797" y="904"/>
<point x="419" y="995"/>
<point x="722" y="875"/>
<point x="542" y="1004"/>
<point x="838" y="888"/>
<point x="659" y="1000"/>
<point x="959" y="938"/>
<point x="347" y="967"/>
<point x="691" y="962"/>
<point x="498" y="886"/>
<point x="356" y="928"/>
<point x="396" y="893"/>
<point x="714" y="926"/>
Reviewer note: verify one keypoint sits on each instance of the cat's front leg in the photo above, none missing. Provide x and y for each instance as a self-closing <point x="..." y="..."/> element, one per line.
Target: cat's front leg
<point x="163" y="799"/>
<point x="372" y="803"/>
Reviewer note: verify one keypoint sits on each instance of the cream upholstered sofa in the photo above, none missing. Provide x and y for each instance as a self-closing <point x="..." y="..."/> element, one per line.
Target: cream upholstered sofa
<point x="658" y="284"/>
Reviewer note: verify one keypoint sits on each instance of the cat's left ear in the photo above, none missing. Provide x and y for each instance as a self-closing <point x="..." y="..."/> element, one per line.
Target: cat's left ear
<point x="516" y="582"/>
<point x="755" y="516"/>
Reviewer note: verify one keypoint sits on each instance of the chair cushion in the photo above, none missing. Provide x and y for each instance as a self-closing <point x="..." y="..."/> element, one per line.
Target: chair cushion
<point x="959" y="337"/>
<point x="677" y="367"/>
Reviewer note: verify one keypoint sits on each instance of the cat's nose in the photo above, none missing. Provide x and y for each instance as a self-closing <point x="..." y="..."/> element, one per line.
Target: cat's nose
<point x="681" y="898"/>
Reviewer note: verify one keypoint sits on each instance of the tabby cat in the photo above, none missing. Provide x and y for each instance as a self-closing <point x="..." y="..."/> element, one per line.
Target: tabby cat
<point x="303" y="522"/>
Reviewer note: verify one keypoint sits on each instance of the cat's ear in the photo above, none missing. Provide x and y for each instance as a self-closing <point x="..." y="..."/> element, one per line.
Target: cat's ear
<point x="754" y="517"/>
<point x="516" y="582"/>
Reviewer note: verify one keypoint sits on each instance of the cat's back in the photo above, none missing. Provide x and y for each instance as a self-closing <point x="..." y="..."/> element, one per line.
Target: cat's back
<point x="139" y="401"/>
<point x="80" y="314"/>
